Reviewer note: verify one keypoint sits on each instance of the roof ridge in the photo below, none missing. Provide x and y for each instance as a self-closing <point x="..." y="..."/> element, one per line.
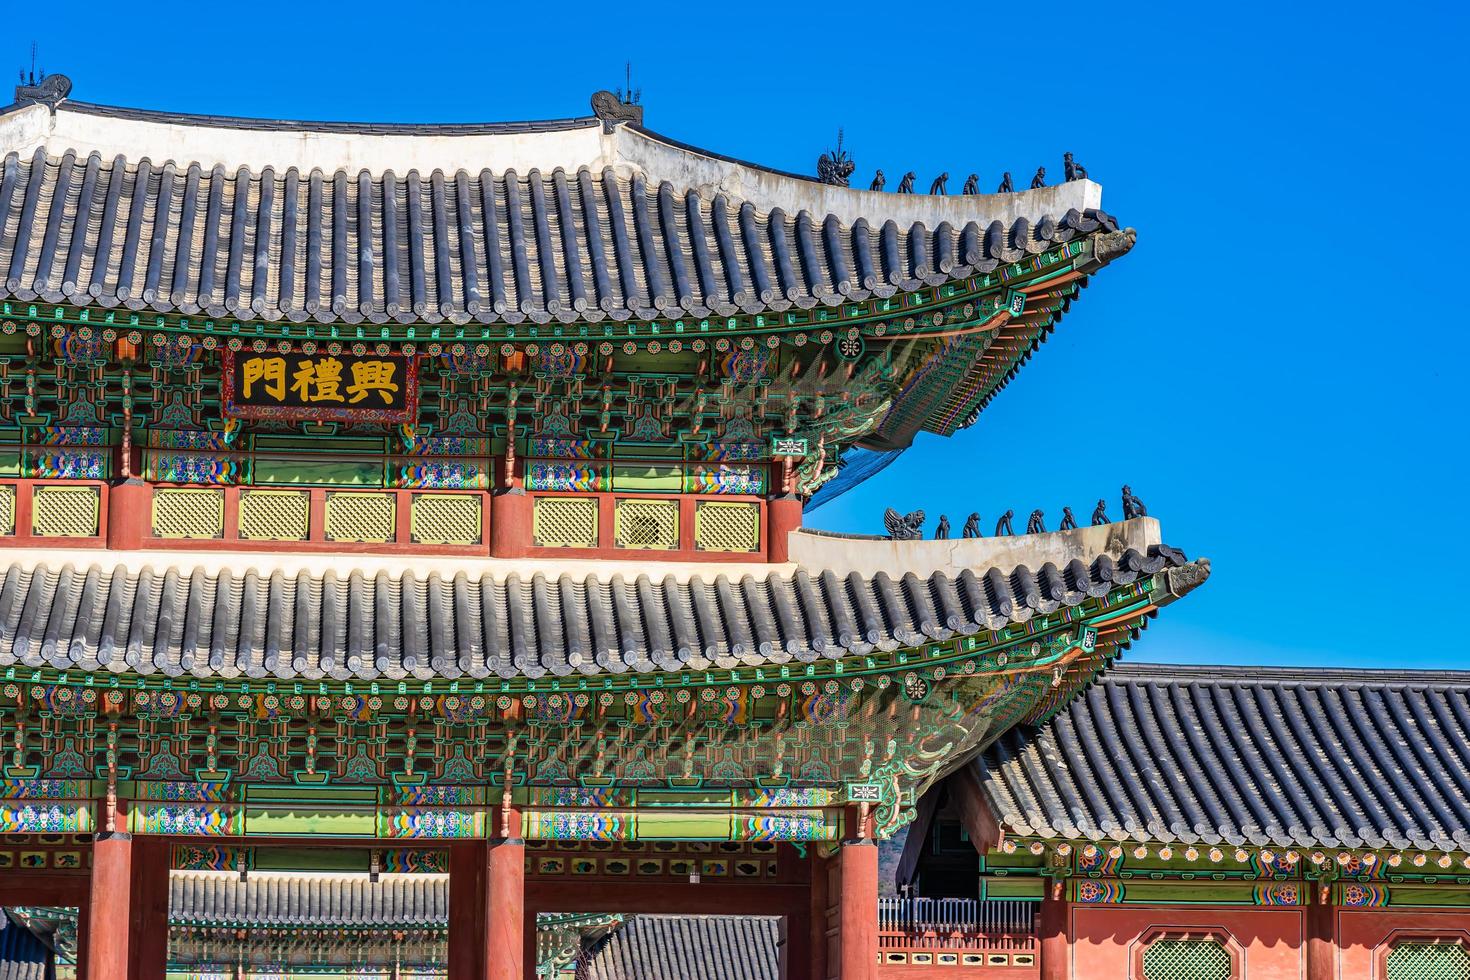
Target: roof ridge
<point x="324" y="125"/>
<point x="1306" y="674"/>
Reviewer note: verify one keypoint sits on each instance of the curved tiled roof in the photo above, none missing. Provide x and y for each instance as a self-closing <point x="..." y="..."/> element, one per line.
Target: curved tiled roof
<point x="355" y="625"/>
<point x="580" y="245"/>
<point x="318" y="900"/>
<point x="1286" y="757"/>
<point x="709" y="947"/>
<point x="23" y="956"/>
<point x="644" y="947"/>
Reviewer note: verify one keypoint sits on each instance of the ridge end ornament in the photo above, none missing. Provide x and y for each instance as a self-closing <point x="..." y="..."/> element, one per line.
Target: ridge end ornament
<point x="47" y="90"/>
<point x="835" y="167"/>
<point x="623" y="106"/>
<point x="904" y="527"/>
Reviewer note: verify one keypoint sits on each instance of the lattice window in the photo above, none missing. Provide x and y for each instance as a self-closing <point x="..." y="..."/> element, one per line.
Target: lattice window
<point x="274" y="515"/>
<point x="727" y="526"/>
<point x="180" y="513"/>
<point x="1428" y="960"/>
<point x="647" y="524"/>
<point x="361" y="517"/>
<point x="65" y="512"/>
<point x="445" y="518"/>
<point x="7" y="509"/>
<point x="1186" y="959"/>
<point x="564" y="522"/>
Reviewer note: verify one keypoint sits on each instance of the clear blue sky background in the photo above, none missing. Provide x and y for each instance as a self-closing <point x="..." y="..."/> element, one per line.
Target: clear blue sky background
<point x="1280" y="366"/>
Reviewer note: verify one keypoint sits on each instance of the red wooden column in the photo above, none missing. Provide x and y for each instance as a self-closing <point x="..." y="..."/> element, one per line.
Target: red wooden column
<point x="109" y="907"/>
<point x="129" y="515"/>
<point x="1055" y="947"/>
<point x="148" y="950"/>
<point x="487" y="917"/>
<point x="505" y="916"/>
<point x="820" y="919"/>
<point x="529" y="946"/>
<point x="510" y="523"/>
<point x="783" y="515"/>
<point x="857" y="917"/>
<point x="819" y="910"/>
<point x="467" y="902"/>
<point x="796" y="946"/>
<point x="1321" y="928"/>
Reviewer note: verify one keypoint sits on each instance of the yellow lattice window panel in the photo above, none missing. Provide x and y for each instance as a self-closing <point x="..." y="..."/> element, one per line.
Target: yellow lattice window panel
<point x="274" y="515"/>
<point x="564" y="522"/>
<point x="7" y="509"/>
<point x="65" y="512"/>
<point x="445" y="518"/>
<point x="723" y="526"/>
<point x="361" y="517"/>
<point x="647" y="524"/>
<point x="188" y="513"/>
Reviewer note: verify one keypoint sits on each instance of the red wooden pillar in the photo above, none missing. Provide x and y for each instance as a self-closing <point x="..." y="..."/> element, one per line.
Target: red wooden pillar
<point x="820" y="922"/>
<point x="487" y="918"/>
<point x="467" y="900"/>
<point x="1321" y="928"/>
<point x="148" y="950"/>
<point x="796" y="951"/>
<point x="783" y="515"/>
<point x="109" y="907"/>
<point x="82" y="941"/>
<point x="129" y="515"/>
<point x="1055" y="946"/>
<point x="510" y="523"/>
<point x="530" y="945"/>
<point x="505" y="915"/>
<point x="857" y="916"/>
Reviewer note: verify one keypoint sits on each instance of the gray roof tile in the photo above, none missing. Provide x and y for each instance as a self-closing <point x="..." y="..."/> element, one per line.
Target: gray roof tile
<point x="23" y="956"/>
<point x="319" y="900"/>
<point x="683" y="947"/>
<point x="350" y="625"/>
<point x="461" y="247"/>
<point x="1256" y="756"/>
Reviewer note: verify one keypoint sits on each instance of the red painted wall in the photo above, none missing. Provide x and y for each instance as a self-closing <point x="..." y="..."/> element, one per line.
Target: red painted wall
<point x="1105" y="939"/>
<point x="1364" y="936"/>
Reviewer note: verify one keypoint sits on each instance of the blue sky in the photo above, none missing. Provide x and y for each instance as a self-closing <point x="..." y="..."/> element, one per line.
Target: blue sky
<point x="1278" y="368"/>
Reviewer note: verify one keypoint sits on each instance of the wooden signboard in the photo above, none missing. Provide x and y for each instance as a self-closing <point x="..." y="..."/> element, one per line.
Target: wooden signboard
<point x="320" y="387"/>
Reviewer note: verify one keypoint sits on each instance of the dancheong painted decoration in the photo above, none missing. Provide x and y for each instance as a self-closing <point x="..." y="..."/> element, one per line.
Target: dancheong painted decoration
<point x="403" y="559"/>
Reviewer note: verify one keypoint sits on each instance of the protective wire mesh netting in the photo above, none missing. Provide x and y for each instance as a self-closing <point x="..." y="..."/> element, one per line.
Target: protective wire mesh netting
<point x="1186" y="959"/>
<point x="1428" y="961"/>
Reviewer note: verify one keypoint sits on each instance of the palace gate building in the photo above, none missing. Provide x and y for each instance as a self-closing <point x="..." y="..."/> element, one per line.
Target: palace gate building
<point x="403" y="574"/>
